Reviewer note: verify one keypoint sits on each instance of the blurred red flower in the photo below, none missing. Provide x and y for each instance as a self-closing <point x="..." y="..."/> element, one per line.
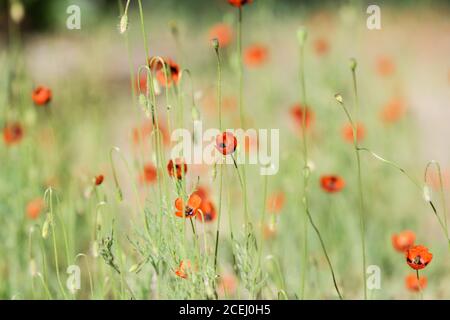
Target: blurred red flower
<point x="223" y="33"/>
<point x="12" y="133"/>
<point x="256" y="55"/>
<point x="226" y="143"/>
<point x="403" y="240"/>
<point x="347" y="132"/>
<point x="418" y="257"/>
<point x="41" y="95"/>
<point x="189" y="210"/>
<point x="332" y="183"/>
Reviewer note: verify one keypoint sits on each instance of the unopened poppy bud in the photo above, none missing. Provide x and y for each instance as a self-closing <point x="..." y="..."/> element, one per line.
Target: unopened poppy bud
<point x="17" y="11"/>
<point x="33" y="267"/>
<point x="353" y="64"/>
<point x="302" y="34"/>
<point x="45" y="228"/>
<point x="215" y="43"/>
<point x="123" y="26"/>
<point x="427" y="193"/>
<point x="339" y="98"/>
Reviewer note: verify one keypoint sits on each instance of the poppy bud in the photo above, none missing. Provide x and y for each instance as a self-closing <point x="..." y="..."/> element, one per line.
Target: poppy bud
<point x="195" y="113"/>
<point x="302" y="34"/>
<point x="339" y="98"/>
<point x="33" y="267"/>
<point x="215" y="43"/>
<point x="427" y="193"/>
<point x="123" y="26"/>
<point x="353" y="64"/>
<point x="45" y="227"/>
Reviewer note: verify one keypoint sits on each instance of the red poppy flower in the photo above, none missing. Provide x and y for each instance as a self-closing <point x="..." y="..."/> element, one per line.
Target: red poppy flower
<point x="239" y="3"/>
<point x="189" y="210"/>
<point x="183" y="269"/>
<point x="99" y="179"/>
<point x="145" y="130"/>
<point x="12" y="133"/>
<point x="227" y="285"/>
<point x="256" y="55"/>
<point x="347" y="132"/>
<point x="332" y="183"/>
<point x="403" y="241"/>
<point x="209" y="211"/>
<point x="418" y="257"/>
<point x="393" y="110"/>
<point x="34" y="208"/>
<point x="149" y="173"/>
<point x="415" y="285"/>
<point x="223" y="33"/>
<point x="321" y="46"/>
<point x="297" y="112"/>
<point x="269" y="231"/>
<point x="385" y="66"/>
<point x="41" y="95"/>
<point x="172" y="69"/>
<point x="275" y="202"/>
<point x="226" y="143"/>
<point x="180" y="168"/>
<point x="202" y="192"/>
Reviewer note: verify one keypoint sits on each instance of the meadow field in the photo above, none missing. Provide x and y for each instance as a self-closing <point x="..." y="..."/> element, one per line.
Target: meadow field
<point x="350" y="202"/>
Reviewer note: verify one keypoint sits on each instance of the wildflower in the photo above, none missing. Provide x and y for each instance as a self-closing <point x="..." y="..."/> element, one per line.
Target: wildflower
<point x="227" y="285"/>
<point x="275" y="202"/>
<point x="208" y="210"/>
<point x="177" y="168"/>
<point x="347" y="132"/>
<point x="98" y="180"/>
<point x="173" y="71"/>
<point x="415" y="285"/>
<point x="298" y="112"/>
<point x="12" y="133"/>
<point x="149" y="173"/>
<point x="385" y="66"/>
<point x="393" y="110"/>
<point x="183" y="269"/>
<point x="250" y="143"/>
<point x="321" y="46"/>
<point x="226" y="143"/>
<point x="239" y="3"/>
<point x="189" y="210"/>
<point x="34" y="208"/>
<point x="403" y="240"/>
<point x="41" y="95"/>
<point x="223" y="33"/>
<point x="332" y="183"/>
<point x="269" y="231"/>
<point x="256" y="55"/>
<point x="418" y="257"/>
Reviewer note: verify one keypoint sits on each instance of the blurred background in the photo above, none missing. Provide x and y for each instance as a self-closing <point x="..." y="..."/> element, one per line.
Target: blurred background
<point x="404" y="88"/>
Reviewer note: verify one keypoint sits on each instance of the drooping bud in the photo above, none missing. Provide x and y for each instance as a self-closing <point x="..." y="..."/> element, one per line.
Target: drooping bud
<point x="427" y="193"/>
<point x="353" y="64"/>
<point x="302" y="34"/>
<point x="123" y="25"/>
<point x="215" y="44"/>
<point x="339" y="98"/>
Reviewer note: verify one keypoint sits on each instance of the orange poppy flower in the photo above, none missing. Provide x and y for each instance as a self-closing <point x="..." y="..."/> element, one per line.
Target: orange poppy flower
<point x="347" y="132"/>
<point x="275" y="202"/>
<point x="393" y="110"/>
<point x="34" y="208"/>
<point x="209" y="211"/>
<point x="385" y="66"/>
<point x="321" y="46"/>
<point x="269" y="231"/>
<point x="227" y="285"/>
<point x="180" y="168"/>
<point x="415" y="285"/>
<point x="99" y="179"/>
<point x="12" y="133"/>
<point x="297" y="112"/>
<point x="145" y="130"/>
<point x="184" y="268"/>
<point x="332" y="183"/>
<point x="239" y="3"/>
<point x="256" y="55"/>
<point x="149" y="174"/>
<point x="226" y="143"/>
<point x="223" y="33"/>
<point x="202" y="192"/>
<point x="173" y="70"/>
<point x="418" y="257"/>
<point x="403" y="241"/>
<point x="189" y="210"/>
<point x="41" y="95"/>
